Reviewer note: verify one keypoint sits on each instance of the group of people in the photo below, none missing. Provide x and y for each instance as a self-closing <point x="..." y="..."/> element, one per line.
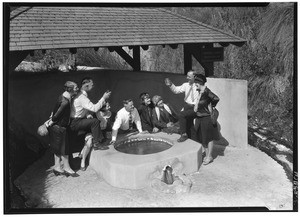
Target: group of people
<point x="74" y="112"/>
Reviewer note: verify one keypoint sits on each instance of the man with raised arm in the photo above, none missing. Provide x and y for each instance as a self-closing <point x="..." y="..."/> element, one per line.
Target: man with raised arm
<point x="187" y="114"/>
<point x="81" y="117"/>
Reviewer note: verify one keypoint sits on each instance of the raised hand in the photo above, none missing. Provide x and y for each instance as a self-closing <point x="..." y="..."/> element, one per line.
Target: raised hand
<point x="168" y="82"/>
<point x="106" y="95"/>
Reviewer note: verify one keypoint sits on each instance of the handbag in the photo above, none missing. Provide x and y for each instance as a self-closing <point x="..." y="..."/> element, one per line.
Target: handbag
<point x="214" y="114"/>
<point x="43" y="129"/>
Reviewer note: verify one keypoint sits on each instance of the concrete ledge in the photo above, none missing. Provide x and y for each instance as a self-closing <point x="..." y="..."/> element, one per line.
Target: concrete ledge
<point x="132" y="171"/>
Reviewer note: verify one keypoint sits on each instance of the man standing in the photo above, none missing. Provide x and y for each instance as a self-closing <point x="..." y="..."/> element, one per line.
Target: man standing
<point x="81" y="119"/>
<point x="187" y="114"/>
<point x="125" y="119"/>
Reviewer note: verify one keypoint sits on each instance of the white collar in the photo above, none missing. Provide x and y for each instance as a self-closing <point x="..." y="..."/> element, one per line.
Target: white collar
<point x="84" y="92"/>
<point x="67" y="95"/>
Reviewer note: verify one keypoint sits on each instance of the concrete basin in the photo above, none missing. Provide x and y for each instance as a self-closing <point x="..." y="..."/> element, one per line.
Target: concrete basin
<point x="133" y="171"/>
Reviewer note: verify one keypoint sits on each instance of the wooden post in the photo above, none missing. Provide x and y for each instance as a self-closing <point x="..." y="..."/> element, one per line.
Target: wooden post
<point x="187" y="58"/>
<point x="136" y="58"/>
<point x="208" y="66"/>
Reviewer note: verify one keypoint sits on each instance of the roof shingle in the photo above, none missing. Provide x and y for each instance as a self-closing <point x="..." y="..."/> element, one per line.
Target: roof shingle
<point x="64" y="27"/>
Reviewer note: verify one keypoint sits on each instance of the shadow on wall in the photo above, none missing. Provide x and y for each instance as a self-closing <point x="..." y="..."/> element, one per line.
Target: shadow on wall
<point x="24" y="150"/>
<point x="220" y="145"/>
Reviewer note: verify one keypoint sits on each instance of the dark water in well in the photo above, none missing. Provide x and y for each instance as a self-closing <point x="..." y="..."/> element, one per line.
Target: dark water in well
<point x="143" y="147"/>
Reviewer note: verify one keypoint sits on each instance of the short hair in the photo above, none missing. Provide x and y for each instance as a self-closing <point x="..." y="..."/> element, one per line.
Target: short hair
<point x="143" y="96"/>
<point x="126" y="101"/>
<point x="193" y="71"/>
<point x="69" y="86"/>
<point x="86" y="80"/>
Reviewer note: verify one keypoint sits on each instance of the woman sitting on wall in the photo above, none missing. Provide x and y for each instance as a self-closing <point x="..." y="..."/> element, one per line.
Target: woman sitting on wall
<point x="164" y="116"/>
<point x="145" y="111"/>
<point x="58" y="131"/>
<point x="205" y="131"/>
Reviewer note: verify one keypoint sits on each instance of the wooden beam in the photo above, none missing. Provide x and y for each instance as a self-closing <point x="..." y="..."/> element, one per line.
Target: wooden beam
<point x="73" y="50"/>
<point x="15" y="58"/>
<point x="239" y="44"/>
<point x="173" y="46"/>
<point x="145" y="47"/>
<point x="111" y="49"/>
<point x="136" y="58"/>
<point x="187" y="58"/>
<point x="224" y="44"/>
<point x="125" y="56"/>
<point x="195" y="50"/>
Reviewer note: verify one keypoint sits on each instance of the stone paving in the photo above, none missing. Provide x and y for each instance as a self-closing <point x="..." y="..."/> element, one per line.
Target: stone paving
<point x="236" y="178"/>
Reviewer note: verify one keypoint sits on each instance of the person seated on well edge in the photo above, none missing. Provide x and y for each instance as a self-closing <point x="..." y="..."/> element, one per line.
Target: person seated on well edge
<point x="205" y="131"/>
<point x="82" y="120"/>
<point x="145" y="111"/>
<point x="187" y="114"/>
<point x="164" y="116"/>
<point x="125" y="119"/>
<point x="103" y="116"/>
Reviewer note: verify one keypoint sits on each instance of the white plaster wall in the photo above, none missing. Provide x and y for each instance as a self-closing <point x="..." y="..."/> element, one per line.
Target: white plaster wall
<point x="232" y="107"/>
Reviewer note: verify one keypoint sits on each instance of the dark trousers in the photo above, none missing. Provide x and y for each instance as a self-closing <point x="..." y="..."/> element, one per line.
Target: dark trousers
<point x="186" y="119"/>
<point x="91" y="125"/>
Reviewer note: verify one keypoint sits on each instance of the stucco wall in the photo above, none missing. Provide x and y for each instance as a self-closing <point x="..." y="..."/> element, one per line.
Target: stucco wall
<point x="32" y="97"/>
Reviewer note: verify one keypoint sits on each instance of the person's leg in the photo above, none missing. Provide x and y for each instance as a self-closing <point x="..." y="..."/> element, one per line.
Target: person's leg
<point x="208" y="151"/>
<point x="184" y="117"/>
<point x="90" y="125"/>
<point x="57" y="165"/>
<point x="67" y="169"/>
<point x="85" y="152"/>
<point x="57" y="170"/>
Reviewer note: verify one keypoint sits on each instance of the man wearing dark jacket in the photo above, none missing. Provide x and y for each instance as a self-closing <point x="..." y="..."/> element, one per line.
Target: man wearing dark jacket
<point x="164" y="116"/>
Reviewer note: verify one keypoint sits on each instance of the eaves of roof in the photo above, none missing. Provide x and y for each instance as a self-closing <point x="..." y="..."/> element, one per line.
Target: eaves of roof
<point x="34" y="28"/>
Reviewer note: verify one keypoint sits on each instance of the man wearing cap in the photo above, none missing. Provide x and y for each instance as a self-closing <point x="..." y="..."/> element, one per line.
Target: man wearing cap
<point x="81" y="119"/>
<point x="125" y="120"/>
<point x="164" y="116"/>
<point x="187" y="114"/>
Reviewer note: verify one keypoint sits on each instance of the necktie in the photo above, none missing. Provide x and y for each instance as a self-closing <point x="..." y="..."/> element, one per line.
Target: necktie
<point x="130" y="121"/>
<point x="192" y="93"/>
<point x="197" y="102"/>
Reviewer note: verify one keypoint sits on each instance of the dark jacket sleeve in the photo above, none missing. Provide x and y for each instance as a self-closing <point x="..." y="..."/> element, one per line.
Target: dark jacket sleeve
<point x="60" y="110"/>
<point x="145" y="119"/>
<point x="213" y="98"/>
<point x="174" y="113"/>
<point x="159" y="124"/>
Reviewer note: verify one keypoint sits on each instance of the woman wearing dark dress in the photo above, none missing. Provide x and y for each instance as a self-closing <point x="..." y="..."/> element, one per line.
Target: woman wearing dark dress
<point x="58" y="131"/>
<point x="145" y="111"/>
<point x="205" y="131"/>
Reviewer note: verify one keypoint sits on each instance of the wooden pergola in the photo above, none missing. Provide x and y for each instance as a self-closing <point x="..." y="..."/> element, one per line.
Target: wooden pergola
<point x="44" y="28"/>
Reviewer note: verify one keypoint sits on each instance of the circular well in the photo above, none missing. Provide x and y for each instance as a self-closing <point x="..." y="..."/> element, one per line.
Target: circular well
<point x="143" y="146"/>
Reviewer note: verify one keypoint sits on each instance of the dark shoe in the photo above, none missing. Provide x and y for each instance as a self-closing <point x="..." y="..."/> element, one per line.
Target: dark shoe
<point x="67" y="174"/>
<point x="182" y="138"/>
<point x="57" y="173"/>
<point x="83" y="168"/>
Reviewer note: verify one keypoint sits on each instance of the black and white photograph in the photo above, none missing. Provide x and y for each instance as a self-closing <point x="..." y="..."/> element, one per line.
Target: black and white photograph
<point x="149" y="107"/>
